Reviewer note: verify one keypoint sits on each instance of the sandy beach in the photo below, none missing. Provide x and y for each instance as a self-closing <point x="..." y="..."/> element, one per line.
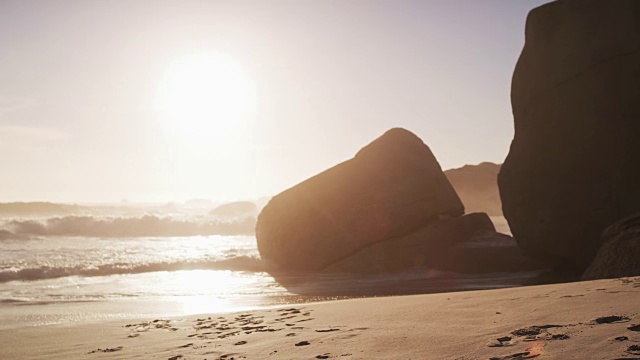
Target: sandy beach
<point x="583" y="320"/>
<point x="364" y="179"/>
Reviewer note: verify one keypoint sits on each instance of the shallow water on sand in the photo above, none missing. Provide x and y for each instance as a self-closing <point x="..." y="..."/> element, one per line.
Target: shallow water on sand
<point x="65" y="279"/>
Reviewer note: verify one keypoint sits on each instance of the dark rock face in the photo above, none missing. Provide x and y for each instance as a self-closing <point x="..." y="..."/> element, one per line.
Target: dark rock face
<point x="417" y="249"/>
<point x="486" y="252"/>
<point x="391" y="188"/>
<point x="573" y="164"/>
<point x="619" y="254"/>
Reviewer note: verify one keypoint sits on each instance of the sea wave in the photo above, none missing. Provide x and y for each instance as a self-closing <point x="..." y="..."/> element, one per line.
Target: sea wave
<point x="13" y="301"/>
<point x="239" y="263"/>
<point x="7" y="235"/>
<point x="148" y="225"/>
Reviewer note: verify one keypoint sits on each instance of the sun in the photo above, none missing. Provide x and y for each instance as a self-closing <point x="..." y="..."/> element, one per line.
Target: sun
<point x="206" y="111"/>
<point x="205" y="96"/>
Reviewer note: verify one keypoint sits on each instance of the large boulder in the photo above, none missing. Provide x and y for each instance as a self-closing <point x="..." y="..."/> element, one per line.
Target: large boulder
<point x="573" y="164"/>
<point x="391" y="188"/>
<point x="420" y="248"/>
<point x="486" y="252"/>
<point x="619" y="255"/>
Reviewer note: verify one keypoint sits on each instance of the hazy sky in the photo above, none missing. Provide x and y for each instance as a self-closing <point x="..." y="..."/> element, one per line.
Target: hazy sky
<point x="170" y="100"/>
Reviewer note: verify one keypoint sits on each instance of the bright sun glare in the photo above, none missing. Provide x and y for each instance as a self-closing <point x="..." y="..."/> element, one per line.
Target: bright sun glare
<point x="205" y="96"/>
<point x="206" y="106"/>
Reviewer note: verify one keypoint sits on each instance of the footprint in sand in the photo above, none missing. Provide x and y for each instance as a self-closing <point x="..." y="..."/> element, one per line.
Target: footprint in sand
<point x="327" y="330"/>
<point x="634" y="328"/>
<point x="253" y="327"/>
<point x="611" y="319"/>
<point x="517" y="356"/>
<point x="289" y="311"/>
<point x="233" y="333"/>
<point x="634" y="349"/>
<point x="107" y="350"/>
<point x="323" y="356"/>
<point x="634" y="282"/>
<point x="533" y="330"/>
<point x="269" y="330"/>
<point x="531" y="333"/>
<point x="149" y="325"/>
<point x="303" y="343"/>
<point x="621" y="338"/>
<point x="500" y="342"/>
<point x="284" y="318"/>
<point x="539" y="332"/>
<point x="226" y="357"/>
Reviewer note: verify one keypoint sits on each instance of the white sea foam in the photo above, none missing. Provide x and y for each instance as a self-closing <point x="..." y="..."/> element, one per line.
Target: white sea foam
<point x="239" y="263"/>
<point x="74" y="259"/>
<point x="147" y="225"/>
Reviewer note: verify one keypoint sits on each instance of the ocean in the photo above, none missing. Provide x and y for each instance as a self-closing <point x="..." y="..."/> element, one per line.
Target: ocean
<point x="109" y="262"/>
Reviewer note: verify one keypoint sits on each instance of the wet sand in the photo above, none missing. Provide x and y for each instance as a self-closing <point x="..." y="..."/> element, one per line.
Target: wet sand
<point x="585" y="320"/>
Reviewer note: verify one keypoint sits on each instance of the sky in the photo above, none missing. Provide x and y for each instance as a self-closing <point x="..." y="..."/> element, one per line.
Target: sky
<point x="158" y="100"/>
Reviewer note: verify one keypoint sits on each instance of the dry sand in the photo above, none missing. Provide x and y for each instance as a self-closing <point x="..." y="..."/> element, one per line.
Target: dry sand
<point x="586" y="320"/>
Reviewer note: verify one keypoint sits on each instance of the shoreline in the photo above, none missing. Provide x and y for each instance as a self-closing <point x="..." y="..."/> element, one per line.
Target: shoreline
<point x="205" y="296"/>
<point x="543" y="321"/>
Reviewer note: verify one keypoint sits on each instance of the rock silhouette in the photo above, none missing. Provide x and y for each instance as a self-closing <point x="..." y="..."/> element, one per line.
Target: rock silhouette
<point x="417" y="249"/>
<point x="392" y="187"/>
<point x="485" y="252"/>
<point x="619" y="254"/>
<point x="572" y="166"/>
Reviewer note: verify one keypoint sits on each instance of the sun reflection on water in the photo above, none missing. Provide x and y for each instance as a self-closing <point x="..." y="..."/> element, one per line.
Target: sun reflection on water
<point x="207" y="304"/>
<point x="210" y="291"/>
<point x="195" y="281"/>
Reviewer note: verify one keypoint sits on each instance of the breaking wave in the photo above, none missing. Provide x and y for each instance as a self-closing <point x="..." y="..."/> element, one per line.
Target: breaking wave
<point x="148" y="225"/>
<point x="7" y="235"/>
<point x="240" y="263"/>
